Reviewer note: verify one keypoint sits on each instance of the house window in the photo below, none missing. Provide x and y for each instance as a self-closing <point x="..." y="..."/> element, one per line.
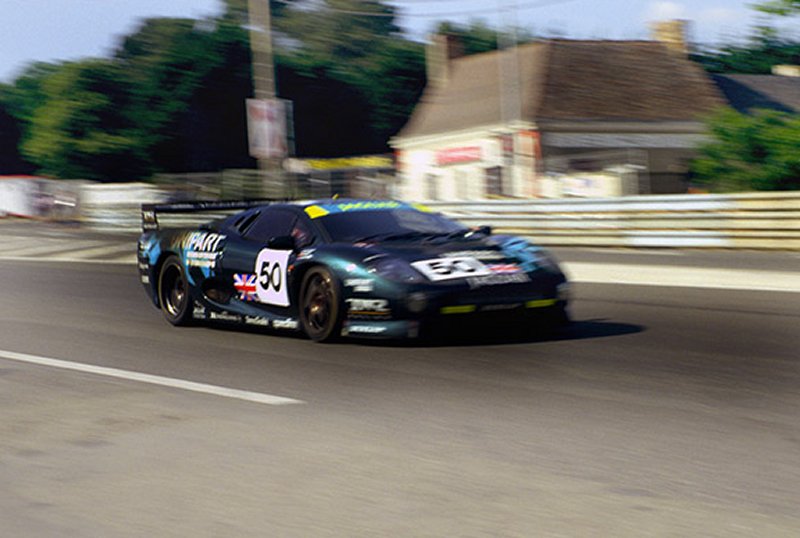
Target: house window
<point x="461" y="179"/>
<point x="432" y="186"/>
<point x="494" y="181"/>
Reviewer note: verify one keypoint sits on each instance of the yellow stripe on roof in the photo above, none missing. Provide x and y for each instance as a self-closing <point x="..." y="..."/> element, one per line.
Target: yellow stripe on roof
<point x="315" y="211"/>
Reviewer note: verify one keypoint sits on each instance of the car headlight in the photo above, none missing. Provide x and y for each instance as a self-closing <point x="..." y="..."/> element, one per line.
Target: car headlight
<point x="394" y="269"/>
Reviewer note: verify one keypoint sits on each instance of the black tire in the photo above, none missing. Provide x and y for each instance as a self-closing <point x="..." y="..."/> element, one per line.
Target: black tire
<point x="320" y="305"/>
<point x="173" y="292"/>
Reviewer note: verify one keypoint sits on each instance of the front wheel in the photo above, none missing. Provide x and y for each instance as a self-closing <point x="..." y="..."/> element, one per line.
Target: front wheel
<point x="320" y="308"/>
<point x="173" y="292"/>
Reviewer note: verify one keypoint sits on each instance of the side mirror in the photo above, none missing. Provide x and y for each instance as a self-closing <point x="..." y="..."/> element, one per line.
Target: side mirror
<point x="282" y="242"/>
<point x="485" y="230"/>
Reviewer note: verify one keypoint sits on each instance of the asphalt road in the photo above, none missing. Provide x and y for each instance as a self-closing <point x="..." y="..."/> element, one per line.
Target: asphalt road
<point x="663" y="412"/>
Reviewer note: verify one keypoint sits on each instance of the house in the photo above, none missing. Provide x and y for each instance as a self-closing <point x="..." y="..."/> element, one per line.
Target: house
<point x="779" y="91"/>
<point x="505" y="123"/>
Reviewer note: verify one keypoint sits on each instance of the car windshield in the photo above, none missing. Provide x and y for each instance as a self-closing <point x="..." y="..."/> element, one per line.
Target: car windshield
<point x="355" y="226"/>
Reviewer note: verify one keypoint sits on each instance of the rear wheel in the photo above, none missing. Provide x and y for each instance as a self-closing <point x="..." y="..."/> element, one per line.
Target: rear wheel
<point x="173" y="292"/>
<point x="320" y="309"/>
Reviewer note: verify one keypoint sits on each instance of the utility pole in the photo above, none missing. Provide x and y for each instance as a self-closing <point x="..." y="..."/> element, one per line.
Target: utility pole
<point x="260" y="21"/>
<point x="263" y="66"/>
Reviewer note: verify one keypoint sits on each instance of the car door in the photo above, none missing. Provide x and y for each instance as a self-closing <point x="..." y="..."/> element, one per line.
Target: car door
<point x="258" y="270"/>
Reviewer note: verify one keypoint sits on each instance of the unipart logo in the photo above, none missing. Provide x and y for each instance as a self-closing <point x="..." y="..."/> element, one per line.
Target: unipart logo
<point x="466" y="154"/>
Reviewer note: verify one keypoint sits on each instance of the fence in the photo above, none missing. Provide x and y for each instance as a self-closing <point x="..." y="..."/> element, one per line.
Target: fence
<point x="746" y="221"/>
<point x="742" y="221"/>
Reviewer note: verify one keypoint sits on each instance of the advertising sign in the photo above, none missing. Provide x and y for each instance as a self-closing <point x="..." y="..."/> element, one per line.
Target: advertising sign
<point x="266" y="128"/>
<point x="458" y="155"/>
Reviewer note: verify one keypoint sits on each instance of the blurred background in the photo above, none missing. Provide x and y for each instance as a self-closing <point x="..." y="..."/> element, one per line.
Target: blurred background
<point x="404" y="99"/>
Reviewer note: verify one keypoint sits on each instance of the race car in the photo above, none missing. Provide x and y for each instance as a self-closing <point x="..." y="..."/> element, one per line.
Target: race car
<point x="344" y="267"/>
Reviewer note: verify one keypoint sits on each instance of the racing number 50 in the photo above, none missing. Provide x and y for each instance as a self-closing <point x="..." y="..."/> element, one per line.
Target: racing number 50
<point x="270" y="269"/>
<point x="270" y="276"/>
<point x="453" y="266"/>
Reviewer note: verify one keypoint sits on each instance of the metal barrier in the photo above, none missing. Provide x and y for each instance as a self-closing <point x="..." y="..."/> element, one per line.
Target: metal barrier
<point x="745" y="221"/>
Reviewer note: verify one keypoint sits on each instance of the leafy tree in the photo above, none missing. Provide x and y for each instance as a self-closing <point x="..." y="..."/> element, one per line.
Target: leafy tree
<point x="81" y="130"/>
<point x="364" y="76"/>
<point x="751" y="152"/>
<point x="477" y="36"/>
<point x="764" y="49"/>
<point x="11" y="162"/>
<point x="780" y="7"/>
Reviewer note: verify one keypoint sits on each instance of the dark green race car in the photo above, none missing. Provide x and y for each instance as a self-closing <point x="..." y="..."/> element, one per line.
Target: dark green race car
<point x="331" y="268"/>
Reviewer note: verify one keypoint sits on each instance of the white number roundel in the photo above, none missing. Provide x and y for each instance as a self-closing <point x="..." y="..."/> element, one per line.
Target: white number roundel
<point x="271" y="277"/>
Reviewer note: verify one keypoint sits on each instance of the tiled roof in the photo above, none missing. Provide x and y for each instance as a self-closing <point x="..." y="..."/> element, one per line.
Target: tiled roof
<point x="749" y="92"/>
<point x="569" y="80"/>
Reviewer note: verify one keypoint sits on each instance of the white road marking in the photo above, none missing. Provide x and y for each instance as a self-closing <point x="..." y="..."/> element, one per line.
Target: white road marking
<point x="683" y="277"/>
<point x="181" y="384"/>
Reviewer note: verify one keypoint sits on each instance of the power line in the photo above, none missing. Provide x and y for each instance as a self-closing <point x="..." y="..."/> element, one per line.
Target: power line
<point x="484" y="11"/>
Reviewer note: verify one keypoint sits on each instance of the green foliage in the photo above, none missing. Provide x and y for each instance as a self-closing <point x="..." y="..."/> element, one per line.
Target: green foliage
<point x="780" y="7"/>
<point x="348" y="74"/>
<point x="757" y="152"/>
<point x="477" y="36"/>
<point x="81" y="129"/>
<point x="763" y="50"/>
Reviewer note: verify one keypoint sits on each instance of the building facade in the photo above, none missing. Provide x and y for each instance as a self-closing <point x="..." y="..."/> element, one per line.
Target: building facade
<point x="555" y="118"/>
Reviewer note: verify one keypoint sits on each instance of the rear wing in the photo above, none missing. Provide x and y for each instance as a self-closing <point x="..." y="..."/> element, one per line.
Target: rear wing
<point x="150" y="212"/>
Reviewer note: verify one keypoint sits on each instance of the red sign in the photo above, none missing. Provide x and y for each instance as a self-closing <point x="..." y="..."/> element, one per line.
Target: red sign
<point x="458" y="155"/>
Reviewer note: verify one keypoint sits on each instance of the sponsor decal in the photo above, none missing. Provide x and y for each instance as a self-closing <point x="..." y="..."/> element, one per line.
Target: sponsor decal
<point x="271" y="277"/>
<point x="287" y="323"/>
<point x="504" y="268"/>
<point x="305" y="253"/>
<point x="366" y="329"/>
<point x="145" y="279"/>
<point x="202" y="241"/>
<point x="199" y="311"/>
<point x="255" y="320"/>
<point x="451" y="268"/>
<point x="143" y="267"/>
<point x="360" y="285"/>
<point x="245" y="284"/>
<point x="477" y="254"/>
<point x="321" y="210"/>
<point x="224" y="316"/>
<point x="368" y="307"/>
<point x="498" y="279"/>
<point x="202" y="248"/>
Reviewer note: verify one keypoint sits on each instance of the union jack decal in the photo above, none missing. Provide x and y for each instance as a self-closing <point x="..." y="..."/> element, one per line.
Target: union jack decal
<point x="504" y="268"/>
<point x="245" y="284"/>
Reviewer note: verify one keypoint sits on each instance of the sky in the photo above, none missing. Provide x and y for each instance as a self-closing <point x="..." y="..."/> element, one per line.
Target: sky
<point x="51" y="30"/>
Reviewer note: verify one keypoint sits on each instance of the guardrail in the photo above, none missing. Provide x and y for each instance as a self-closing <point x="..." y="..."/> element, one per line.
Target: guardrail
<point x="744" y="221"/>
<point x="747" y="221"/>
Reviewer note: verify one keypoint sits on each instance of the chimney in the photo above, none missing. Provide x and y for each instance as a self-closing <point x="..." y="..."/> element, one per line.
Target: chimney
<point x="786" y="70"/>
<point x="438" y="53"/>
<point x="674" y="34"/>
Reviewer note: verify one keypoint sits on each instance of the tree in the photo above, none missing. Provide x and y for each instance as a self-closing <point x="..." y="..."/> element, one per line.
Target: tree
<point x="764" y="49"/>
<point x="780" y="7"/>
<point x="357" y="74"/>
<point x="477" y="36"/>
<point x="81" y="129"/>
<point x="756" y="152"/>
